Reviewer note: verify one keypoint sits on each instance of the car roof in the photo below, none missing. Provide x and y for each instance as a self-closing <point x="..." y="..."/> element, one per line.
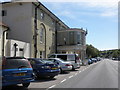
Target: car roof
<point x="15" y="57"/>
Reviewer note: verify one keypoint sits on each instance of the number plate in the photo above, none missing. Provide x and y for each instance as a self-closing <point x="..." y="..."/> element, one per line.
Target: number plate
<point x="20" y="74"/>
<point x="54" y="68"/>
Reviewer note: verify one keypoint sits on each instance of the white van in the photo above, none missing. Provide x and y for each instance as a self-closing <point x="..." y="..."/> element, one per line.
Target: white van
<point x="73" y="58"/>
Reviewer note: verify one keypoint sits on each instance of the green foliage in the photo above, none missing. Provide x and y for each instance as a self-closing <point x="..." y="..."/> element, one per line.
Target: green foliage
<point x="91" y="51"/>
<point x="110" y="53"/>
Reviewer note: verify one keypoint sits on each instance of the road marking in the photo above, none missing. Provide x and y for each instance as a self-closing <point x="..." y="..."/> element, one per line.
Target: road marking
<point x="63" y="80"/>
<point x="70" y="76"/>
<point x="79" y="71"/>
<point x="76" y="73"/>
<point x="52" y="86"/>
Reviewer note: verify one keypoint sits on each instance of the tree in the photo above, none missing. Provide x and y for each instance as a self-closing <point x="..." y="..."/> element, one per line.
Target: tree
<point x="91" y="51"/>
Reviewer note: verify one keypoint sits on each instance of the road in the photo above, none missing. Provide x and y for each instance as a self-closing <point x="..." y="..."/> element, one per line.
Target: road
<point x="103" y="74"/>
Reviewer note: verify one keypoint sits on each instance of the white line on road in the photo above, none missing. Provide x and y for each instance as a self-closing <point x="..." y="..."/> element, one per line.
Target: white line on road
<point x="79" y="71"/>
<point x="70" y="76"/>
<point x="76" y="73"/>
<point x="63" y="80"/>
<point x="52" y="86"/>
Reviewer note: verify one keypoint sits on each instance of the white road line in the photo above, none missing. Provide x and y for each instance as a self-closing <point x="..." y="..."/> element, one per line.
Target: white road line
<point x="70" y="76"/>
<point x="76" y="73"/>
<point x="63" y="80"/>
<point x="52" y="86"/>
<point x="79" y="71"/>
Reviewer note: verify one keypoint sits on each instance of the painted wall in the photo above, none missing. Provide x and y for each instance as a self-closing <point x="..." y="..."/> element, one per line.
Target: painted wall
<point x="23" y="48"/>
<point x="18" y="18"/>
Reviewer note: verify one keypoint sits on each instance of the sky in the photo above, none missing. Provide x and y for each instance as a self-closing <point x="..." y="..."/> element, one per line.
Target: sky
<point x="99" y="17"/>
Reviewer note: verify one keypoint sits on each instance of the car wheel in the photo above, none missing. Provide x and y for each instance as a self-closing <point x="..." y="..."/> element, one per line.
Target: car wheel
<point x="61" y="71"/>
<point x="26" y="84"/>
<point x="52" y="77"/>
<point x="73" y="69"/>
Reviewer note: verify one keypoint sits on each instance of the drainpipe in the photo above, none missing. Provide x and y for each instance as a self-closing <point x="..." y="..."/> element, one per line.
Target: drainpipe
<point x="3" y="42"/>
<point x="45" y="42"/>
<point x="35" y="31"/>
<point x="56" y="36"/>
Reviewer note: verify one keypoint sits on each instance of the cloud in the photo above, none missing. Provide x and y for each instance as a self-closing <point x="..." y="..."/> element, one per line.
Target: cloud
<point x="109" y="14"/>
<point x="79" y="1"/>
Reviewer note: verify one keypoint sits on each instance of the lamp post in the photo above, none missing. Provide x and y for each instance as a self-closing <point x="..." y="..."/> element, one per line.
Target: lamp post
<point x="15" y="45"/>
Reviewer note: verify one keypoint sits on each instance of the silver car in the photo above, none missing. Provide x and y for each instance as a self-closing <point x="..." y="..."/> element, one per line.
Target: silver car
<point x="64" y="65"/>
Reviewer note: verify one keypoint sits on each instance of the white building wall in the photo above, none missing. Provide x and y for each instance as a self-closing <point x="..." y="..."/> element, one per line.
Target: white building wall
<point x="23" y="48"/>
<point x="18" y="20"/>
<point x="1" y="41"/>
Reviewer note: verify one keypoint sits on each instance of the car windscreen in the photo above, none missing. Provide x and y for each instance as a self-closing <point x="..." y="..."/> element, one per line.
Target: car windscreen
<point x="15" y="63"/>
<point x="47" y="61"/>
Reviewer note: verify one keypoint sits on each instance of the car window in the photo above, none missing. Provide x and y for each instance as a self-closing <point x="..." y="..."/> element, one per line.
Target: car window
<point x="15" y="63"/>
<point x="32" y="62"/>
<point x="48" y="61"/>
<point x="71" y="57"/>
<point x="64" y="57"/>
<point x="52" y="56"/>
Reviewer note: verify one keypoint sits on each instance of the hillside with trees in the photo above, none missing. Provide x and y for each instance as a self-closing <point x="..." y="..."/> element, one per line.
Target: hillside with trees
<point x="92" y="52"/>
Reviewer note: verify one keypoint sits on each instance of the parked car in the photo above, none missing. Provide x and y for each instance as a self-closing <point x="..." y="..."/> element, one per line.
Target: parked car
<point x="16" y="70"/>
<point x="94" y="60"/>
<point x="90" y="61"/>
<point x="64" y="65"/>
<point x="44" y="68"/>
<point x="73" y="58"/>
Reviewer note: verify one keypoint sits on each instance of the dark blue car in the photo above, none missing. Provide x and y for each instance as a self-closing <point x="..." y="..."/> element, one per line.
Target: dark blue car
<point x="16" y="70"/>
<point x="44" y="68"/>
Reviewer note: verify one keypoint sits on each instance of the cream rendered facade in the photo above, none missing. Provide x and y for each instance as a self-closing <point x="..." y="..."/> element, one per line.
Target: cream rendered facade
<point x="20" y="18"/>
<point x="72" y="41"/>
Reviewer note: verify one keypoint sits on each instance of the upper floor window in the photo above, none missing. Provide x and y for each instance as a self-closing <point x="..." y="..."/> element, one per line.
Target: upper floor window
<point x="42" y="15"/>
<point x="42" y="34"/>
<point x="78" y="38"/>
<point x="4" y="13"/>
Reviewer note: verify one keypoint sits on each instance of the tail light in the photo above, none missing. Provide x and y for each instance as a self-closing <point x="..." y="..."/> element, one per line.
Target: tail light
<point x="67" y="65"/>
<point x="29" y="65"/>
